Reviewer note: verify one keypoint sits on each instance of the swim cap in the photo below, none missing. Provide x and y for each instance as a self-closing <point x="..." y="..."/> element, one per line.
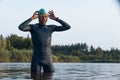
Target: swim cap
<point x="42" y="11"/>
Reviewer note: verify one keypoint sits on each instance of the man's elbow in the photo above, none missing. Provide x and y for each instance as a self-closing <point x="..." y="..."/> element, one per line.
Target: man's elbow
<point x="20" y="27"/>
<point x="68" y="27"/>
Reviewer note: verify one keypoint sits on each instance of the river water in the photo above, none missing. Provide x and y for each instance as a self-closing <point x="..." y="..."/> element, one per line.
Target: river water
<point x="64" y="71"/>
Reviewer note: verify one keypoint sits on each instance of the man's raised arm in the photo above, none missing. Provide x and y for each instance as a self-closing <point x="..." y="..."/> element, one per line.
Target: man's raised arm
<point x="64" y="26"/>
<point x="25" y="25"/>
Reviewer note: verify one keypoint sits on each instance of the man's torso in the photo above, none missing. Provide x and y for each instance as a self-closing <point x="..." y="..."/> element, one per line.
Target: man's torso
<point x="41" y="39"/>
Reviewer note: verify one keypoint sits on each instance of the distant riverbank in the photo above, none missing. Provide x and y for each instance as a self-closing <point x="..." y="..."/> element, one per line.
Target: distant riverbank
<point x="15" y="48"/>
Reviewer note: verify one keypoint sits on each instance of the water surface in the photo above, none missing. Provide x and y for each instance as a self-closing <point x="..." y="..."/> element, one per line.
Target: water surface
<point x="64" y="71"/>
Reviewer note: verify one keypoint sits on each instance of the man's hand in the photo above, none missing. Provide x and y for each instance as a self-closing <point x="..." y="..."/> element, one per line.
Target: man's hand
<point x="51" y="15"/>
<point x="35" y="15"/>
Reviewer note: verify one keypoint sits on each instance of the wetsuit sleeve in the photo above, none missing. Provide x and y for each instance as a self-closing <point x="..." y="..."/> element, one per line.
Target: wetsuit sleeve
<point x="25" y="25"/>
<point x="64" y="26"/>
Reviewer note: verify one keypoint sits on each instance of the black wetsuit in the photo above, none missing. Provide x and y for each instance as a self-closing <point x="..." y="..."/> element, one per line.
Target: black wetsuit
<point x="41" y="39"/>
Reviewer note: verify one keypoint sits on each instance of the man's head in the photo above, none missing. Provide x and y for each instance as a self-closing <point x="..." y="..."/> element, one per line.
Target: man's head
<point x="42" y="16"/>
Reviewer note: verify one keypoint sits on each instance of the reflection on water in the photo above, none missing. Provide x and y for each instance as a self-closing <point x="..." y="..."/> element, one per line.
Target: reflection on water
<point x="14" y="66"/>
<point x="10" y="71"/>
<point x="64" y="71"/>
<point x="43" y="76"/>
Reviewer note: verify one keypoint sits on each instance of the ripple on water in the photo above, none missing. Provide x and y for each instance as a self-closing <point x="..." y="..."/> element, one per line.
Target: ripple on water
<point x="65" y="71"/>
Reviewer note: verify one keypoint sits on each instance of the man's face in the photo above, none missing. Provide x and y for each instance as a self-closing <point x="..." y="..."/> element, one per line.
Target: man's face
<point x="43" y="18"/>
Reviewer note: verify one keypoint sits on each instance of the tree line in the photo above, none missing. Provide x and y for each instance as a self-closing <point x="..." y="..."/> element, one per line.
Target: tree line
<point x="14" y="48"/>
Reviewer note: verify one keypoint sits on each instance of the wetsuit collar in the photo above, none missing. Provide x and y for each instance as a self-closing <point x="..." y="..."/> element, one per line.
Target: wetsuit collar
<point x="41" y="24"/>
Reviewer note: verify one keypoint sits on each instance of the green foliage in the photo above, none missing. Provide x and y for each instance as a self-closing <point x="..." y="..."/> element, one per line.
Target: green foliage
<point x="4" y="55"/>
<point x="2" y="42"/>
<point x="65" y="58"/>
<point x="20" y="55"/>
<point x="55" y="58"/>
<point x="14" y="48"/>
<point x="14" y="41"/>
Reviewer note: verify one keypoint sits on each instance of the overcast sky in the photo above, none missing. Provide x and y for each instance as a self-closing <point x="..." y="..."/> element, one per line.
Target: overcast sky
<point x="95" y="22"/>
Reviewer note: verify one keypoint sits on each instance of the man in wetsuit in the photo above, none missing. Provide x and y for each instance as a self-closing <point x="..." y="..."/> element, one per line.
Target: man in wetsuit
<point x="41" y="39"/>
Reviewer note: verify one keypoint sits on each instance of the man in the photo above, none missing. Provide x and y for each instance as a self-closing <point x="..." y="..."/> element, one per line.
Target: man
<point x="41" y="39"/>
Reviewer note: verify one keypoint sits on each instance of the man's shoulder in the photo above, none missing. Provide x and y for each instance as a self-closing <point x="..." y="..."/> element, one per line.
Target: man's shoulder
<point x="35" y="25"/>
<point x="51" y="26"/>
